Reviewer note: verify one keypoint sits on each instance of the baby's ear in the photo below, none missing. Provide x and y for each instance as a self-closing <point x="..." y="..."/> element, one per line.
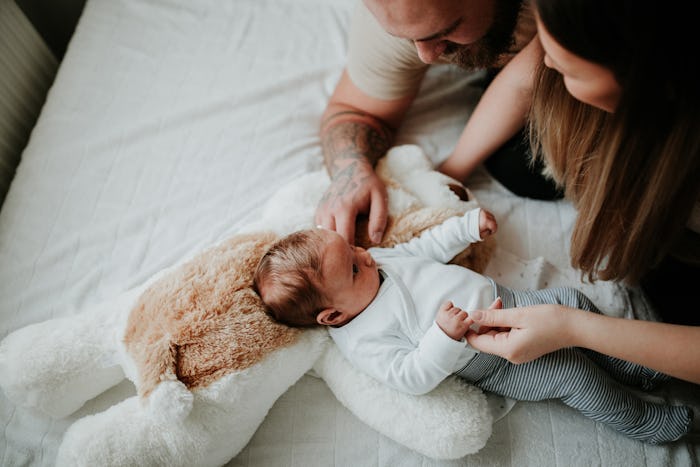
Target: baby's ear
<point x="330" y="317"/>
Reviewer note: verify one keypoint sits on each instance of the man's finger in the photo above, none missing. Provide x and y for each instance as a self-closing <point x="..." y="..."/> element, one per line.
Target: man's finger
<point x="378" y="214"/>
<point x="323" y="219"/>
<point x="345" y="226"/>
<point x="327" y="222"/>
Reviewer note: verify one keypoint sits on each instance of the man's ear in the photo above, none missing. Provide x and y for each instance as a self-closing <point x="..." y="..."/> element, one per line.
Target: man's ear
<point x="330" y="317"/>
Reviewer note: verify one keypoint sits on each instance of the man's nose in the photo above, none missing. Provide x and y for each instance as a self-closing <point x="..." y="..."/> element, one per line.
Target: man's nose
<point x="430" y="51"/>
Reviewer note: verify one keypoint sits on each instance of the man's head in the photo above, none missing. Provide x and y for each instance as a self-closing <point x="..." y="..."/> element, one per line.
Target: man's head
<point x="468" y="33"/>
<point x="316" y="277"/>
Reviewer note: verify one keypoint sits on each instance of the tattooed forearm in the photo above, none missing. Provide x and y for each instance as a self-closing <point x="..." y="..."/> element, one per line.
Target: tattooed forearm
<point x="347" y="180"/>
<point x="353" y="135"/>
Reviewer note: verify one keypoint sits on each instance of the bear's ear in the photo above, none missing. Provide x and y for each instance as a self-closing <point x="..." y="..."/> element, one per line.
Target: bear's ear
<point x="460" y="191"/>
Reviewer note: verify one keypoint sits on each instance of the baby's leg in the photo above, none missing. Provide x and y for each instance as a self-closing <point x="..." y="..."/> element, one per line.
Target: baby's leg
<point x="627" y="372"/>
<point x="571" y="376"/>
<point x="622" y="370"/>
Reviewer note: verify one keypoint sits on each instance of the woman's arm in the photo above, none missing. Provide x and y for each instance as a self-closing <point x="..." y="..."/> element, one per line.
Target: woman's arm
<point x="536" y="330"/>
<point x="500" y="114"/>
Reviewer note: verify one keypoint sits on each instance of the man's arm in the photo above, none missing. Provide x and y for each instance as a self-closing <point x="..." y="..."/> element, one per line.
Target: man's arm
<point x="356" y="131"/>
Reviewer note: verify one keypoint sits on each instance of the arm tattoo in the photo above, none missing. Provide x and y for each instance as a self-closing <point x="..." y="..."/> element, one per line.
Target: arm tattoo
<point x="344" y="183"/>
<point x="353" y="135"/>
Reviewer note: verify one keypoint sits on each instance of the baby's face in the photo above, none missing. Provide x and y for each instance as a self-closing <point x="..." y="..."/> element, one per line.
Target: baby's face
<point x="350" y="275"/>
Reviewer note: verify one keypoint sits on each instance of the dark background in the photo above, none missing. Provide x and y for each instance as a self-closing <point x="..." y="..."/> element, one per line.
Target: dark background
<point x="54" y="20"/>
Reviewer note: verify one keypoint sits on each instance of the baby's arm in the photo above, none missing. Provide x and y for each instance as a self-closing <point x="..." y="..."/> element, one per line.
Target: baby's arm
<point x="444" y="241"/>
<point x="395" y="359"/>
<point x="453" y="321"/>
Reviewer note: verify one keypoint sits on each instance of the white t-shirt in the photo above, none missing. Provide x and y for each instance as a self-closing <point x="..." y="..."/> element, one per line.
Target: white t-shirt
<point x="395" y="339"/>
<point x="388" y="67"/>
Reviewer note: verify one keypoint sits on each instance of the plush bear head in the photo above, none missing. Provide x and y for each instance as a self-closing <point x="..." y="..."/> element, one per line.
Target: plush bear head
<point x="203" y="320"/>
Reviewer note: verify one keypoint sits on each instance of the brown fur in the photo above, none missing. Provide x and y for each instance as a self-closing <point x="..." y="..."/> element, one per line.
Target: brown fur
<point x="203" y="320"/>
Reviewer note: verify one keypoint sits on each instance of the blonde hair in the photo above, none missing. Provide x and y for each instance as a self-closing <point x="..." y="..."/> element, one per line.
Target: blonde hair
<point x="288" y="277"/>
<point x="632" y="175"/>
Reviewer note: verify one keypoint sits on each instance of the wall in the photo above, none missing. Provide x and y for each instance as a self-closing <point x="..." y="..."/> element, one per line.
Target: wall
<point x="54" y="20"/>
<point x="27" y="69"/>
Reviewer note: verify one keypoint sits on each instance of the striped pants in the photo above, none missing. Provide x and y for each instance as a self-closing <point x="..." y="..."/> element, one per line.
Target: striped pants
<point x="587" y="381"/>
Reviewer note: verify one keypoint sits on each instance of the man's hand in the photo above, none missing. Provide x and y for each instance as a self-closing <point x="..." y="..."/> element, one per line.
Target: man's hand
<point x="356" y="189"/>
<point x="353" y="141"/>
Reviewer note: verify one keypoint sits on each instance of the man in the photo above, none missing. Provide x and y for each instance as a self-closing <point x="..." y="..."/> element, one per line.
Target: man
<point x="391" y="45"/>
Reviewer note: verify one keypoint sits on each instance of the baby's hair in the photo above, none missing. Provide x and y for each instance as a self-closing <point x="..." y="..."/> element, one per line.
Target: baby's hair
<point x="288" y="278"/>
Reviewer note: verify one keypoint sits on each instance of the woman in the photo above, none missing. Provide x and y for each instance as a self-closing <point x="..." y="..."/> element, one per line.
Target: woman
<point x="634" y="170"/>
<point x="633" y="174"/>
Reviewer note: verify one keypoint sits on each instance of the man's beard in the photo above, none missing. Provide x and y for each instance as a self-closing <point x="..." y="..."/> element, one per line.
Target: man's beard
<point x="485" y="52"/>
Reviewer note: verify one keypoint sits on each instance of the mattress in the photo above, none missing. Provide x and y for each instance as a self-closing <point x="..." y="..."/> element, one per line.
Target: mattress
<point x="169" y="125"/>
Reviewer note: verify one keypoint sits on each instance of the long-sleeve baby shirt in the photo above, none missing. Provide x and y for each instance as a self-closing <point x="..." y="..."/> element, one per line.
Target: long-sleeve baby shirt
<point x="395" y="339"/>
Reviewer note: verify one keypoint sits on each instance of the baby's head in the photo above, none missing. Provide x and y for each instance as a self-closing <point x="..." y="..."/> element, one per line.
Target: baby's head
<point x="314" y="277"/>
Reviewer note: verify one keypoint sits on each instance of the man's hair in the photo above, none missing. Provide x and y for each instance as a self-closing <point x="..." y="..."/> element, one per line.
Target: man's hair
<point x="288" y="279"/>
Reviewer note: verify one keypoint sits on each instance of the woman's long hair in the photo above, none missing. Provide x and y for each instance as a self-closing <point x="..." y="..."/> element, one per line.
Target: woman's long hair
<point x="633" y="175"/>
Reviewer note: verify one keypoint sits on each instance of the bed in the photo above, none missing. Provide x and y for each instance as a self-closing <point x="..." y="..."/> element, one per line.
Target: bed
<point x="168" y="126"/>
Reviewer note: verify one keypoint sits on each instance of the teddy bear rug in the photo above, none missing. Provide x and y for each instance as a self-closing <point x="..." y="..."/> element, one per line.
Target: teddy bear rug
<point x="208" y="363"/>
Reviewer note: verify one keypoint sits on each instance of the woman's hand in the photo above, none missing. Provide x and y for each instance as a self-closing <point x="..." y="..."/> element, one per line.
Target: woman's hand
<point x="521" y="334"/>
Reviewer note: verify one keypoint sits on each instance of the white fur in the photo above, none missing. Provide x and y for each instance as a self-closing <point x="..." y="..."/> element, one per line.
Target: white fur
<point x="428" y="188"/>
<point x="58" y="365"/>
<point x="170" y="402"/>
<point x="453" y="420"/>
<point x="223" y="418"/>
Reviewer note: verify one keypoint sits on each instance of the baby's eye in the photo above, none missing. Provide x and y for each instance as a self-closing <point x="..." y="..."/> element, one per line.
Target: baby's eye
<point x="355" y="269"/>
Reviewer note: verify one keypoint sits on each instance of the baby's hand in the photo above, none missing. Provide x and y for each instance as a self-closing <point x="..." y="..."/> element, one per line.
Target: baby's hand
<point x="487" y="224"/>
<point x="453" y="321"/>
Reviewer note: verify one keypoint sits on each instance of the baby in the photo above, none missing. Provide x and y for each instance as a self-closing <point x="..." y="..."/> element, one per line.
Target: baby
<point x="397" y="314"/>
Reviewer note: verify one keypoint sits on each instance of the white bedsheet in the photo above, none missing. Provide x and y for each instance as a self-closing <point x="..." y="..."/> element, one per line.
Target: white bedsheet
<point x="170" y="123"/>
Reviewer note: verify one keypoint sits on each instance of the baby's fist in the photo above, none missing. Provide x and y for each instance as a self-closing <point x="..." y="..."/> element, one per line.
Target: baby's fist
<point x="487" y="224"/>
<point x="453" y="320"/>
